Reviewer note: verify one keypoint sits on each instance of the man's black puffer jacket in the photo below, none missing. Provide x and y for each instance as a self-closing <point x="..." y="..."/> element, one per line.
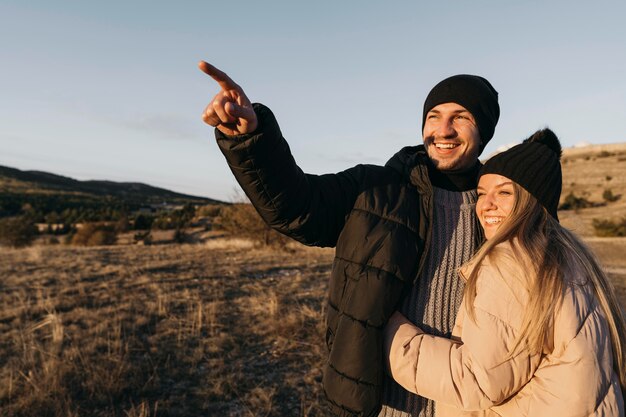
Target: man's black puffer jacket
<point x="378" y="219"/>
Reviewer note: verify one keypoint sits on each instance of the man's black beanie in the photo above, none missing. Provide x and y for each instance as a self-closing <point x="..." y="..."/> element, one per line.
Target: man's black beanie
<point x="474" y="93"/>
<point x="535" y="164"/>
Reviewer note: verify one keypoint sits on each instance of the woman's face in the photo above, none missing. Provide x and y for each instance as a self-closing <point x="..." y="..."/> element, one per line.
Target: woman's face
<point x="496" y="198"/>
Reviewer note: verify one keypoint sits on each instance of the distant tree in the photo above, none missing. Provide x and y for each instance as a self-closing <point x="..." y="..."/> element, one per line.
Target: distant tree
<point x="9" y="205"/>
<point x="17" y="231"/>
<point x="143" y="222"/>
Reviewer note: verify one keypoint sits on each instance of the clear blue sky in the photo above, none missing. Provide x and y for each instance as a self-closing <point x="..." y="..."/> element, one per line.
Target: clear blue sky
<point x="110" y="90"/>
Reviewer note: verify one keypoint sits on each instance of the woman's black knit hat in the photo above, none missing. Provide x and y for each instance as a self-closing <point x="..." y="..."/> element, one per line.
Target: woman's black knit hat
<point x="474" y="93"/>
<point x="535" y="164"/>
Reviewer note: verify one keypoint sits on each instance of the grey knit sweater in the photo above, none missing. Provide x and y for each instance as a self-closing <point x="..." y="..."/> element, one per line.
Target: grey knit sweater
<point x="436" y="297"/>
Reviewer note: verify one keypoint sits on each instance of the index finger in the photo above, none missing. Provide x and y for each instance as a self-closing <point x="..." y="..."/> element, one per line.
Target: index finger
<point x="222" y="79"/>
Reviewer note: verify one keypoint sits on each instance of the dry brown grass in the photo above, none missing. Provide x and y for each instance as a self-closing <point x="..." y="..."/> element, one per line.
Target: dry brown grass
<point x="221" y="328"/>
<point x="169" y="330"/>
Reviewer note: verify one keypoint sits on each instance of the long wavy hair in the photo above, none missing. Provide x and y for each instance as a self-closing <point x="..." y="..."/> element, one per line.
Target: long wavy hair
<point x="546" y="249"/>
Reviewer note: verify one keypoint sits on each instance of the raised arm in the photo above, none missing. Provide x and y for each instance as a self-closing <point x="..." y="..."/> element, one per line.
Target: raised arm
<point x="309" y="208"/>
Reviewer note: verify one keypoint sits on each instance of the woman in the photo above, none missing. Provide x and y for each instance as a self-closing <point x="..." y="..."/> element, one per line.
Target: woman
<point x="540" y="331"/>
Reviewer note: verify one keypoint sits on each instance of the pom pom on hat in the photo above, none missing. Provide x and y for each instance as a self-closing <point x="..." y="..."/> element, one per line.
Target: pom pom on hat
<point x="548" y="138"/>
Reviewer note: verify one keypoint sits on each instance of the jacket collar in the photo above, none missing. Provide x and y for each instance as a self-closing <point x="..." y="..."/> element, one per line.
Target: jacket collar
<point x="413" y="163"/>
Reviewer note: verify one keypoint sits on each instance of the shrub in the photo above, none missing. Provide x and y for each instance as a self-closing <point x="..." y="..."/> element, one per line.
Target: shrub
<point x="210" y="210"/>
<point x="608" y="196"/>
<point x="180" y="236"/>
<point x="122" y="224"/>
<point x="572" y="202"/>
<point x="93" y="234"/>
<point x="163" y="222"/>
<point x="608" y="228"/>
<point x="18" y="231"/>
<point x="177" y="219"/>
<point x="242" y="220"/>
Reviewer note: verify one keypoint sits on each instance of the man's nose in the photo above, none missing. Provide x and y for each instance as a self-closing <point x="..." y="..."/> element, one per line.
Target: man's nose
<point x="446" y="128"/>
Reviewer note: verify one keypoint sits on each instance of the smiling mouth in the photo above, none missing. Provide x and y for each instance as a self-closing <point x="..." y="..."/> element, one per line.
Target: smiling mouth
<point x="446" y="145"/>
<point x="492" y="220"/>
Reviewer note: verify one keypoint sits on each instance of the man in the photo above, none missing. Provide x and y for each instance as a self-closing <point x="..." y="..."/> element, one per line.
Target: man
<point x="400" y="231"/>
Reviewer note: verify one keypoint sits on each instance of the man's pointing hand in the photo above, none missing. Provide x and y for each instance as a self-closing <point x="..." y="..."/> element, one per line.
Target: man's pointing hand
<point x="230" y="111"/>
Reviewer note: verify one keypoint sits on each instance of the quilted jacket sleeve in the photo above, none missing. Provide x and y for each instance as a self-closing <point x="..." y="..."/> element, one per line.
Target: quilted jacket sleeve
<point x="475" y="373"/>
<point x="309" y="208"/>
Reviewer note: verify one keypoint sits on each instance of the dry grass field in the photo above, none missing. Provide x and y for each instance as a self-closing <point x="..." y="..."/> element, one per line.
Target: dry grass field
<point x="215" y="328"/>
<point x="587" y="173"/>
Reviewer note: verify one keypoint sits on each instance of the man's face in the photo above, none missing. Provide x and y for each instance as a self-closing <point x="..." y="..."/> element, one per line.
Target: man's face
<point x="451" y="137"/>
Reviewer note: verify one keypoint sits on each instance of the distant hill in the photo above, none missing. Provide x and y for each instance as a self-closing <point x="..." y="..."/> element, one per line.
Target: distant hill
<point x="46" y="192"/>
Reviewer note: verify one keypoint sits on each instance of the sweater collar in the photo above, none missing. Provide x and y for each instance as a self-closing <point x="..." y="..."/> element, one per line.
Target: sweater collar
<point x="454" y="181"/>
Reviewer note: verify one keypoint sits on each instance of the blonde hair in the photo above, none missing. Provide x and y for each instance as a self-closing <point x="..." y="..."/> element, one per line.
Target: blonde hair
<point x="535" y="235"/>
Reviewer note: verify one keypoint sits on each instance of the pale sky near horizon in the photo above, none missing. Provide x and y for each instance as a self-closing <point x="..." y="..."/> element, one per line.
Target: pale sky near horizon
<point x="111" y="90"/>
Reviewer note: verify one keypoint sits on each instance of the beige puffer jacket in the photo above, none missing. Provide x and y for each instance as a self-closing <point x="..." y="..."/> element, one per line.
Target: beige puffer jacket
<point x="471" y="375"/>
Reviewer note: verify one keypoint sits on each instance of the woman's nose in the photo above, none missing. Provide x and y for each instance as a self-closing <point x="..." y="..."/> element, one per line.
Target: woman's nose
<point x="489" y="202"/>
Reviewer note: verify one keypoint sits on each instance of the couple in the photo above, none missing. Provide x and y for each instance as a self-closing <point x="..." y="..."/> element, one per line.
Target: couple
<point x="538" y="332"/>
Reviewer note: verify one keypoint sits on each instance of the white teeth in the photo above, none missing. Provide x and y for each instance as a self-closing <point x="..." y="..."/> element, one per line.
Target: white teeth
<point x="446" y="145"/>
<point x="493" y="220"/>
